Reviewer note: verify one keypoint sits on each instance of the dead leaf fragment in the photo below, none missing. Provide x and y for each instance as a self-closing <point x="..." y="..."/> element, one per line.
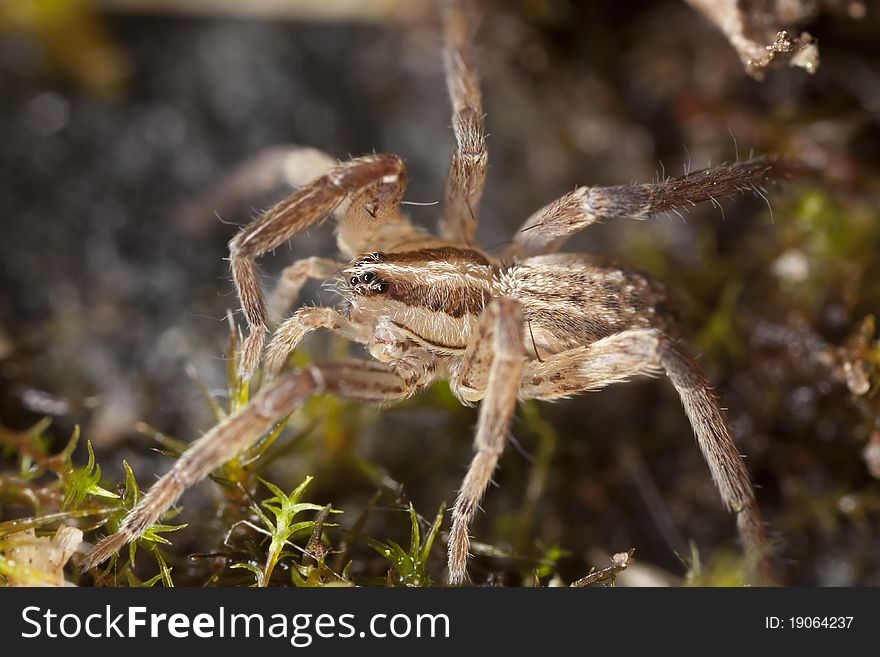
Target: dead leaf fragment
<point x="756" y="30"/>
<point x="40" y="560"/>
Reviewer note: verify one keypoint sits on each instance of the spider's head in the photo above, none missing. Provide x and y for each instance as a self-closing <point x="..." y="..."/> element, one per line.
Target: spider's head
<point x="364" y="276"/>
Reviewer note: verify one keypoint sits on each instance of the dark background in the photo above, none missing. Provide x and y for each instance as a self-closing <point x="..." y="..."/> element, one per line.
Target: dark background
<point x="108" y="289"/>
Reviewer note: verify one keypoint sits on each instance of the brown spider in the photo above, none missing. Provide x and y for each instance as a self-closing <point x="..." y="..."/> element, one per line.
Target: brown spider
<point x="529" y="325"/>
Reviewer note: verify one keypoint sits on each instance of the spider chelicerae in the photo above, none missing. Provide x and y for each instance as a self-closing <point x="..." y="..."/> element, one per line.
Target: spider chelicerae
<point x="529" y="323"/>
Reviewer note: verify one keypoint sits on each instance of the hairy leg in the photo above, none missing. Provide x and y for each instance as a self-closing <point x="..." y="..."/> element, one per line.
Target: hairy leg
<point x="550" y="226"/>
<point x="292" y="279"/>
<point x="615" y="359"/>
<point x="647" y="351"/>
<point x="498" y="350"/>
<point x="265" y="172"/>
<point x="360" y="380"/>
<point x="383" y="175"/>
<point x="467" y="174"/>
<point x="719" y="449"/>
<point x="288" y="336"/>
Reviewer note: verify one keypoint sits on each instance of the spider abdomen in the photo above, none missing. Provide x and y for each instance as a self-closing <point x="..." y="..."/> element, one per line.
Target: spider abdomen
<point x="572" y="300"/>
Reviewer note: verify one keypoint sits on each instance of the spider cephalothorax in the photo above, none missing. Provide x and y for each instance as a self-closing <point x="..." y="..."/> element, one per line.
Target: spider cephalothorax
<point x="527" y="324"/>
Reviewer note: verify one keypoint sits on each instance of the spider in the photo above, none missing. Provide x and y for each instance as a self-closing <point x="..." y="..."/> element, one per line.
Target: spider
<point x="530" y="323"/>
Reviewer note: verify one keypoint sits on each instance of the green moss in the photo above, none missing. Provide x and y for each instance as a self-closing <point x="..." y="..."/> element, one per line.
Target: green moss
<point x="409" y="567"/>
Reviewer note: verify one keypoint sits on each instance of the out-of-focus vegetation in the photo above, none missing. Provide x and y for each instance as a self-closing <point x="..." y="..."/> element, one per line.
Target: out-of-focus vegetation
<point x="72" y="40"/>
<point x="113" y="304"/>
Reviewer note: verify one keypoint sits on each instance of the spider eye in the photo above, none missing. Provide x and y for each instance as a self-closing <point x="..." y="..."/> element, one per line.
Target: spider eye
<point x="382" y="287"/>
<point x="368" y="276"/>
<point x="353" y="280"/>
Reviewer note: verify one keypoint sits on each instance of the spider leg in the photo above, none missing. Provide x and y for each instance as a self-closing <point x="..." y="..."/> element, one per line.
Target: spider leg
<point x="292" y="279"/>
<point x="368" y="381"/>
<point x="615" y="359"/>
<point x="645" y="352"/>
<point x="378" y="183"/>
<point x="715" y="439"/>
<point x="497" y="351"/>
<point x="288" y="336"/>
<point x="550" y="226"/>
<point x="467" y="173"/>
<point x="265" y="172"/>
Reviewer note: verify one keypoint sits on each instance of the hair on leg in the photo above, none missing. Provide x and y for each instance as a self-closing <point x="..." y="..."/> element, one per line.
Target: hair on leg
<point x="620" y="357"/>
<point x="716" y="441"/>
<point x="502" y="353"/>
<point x="293" y="278"/>
<point x="265" y="172"/>
<point x="298" y="212"/>
<point x="368" y="381"/>
<point x="288" y="336"/>
<point x="220" y="444"/>
<point x="467" y="173"/>
<point x="550" y="226"/>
